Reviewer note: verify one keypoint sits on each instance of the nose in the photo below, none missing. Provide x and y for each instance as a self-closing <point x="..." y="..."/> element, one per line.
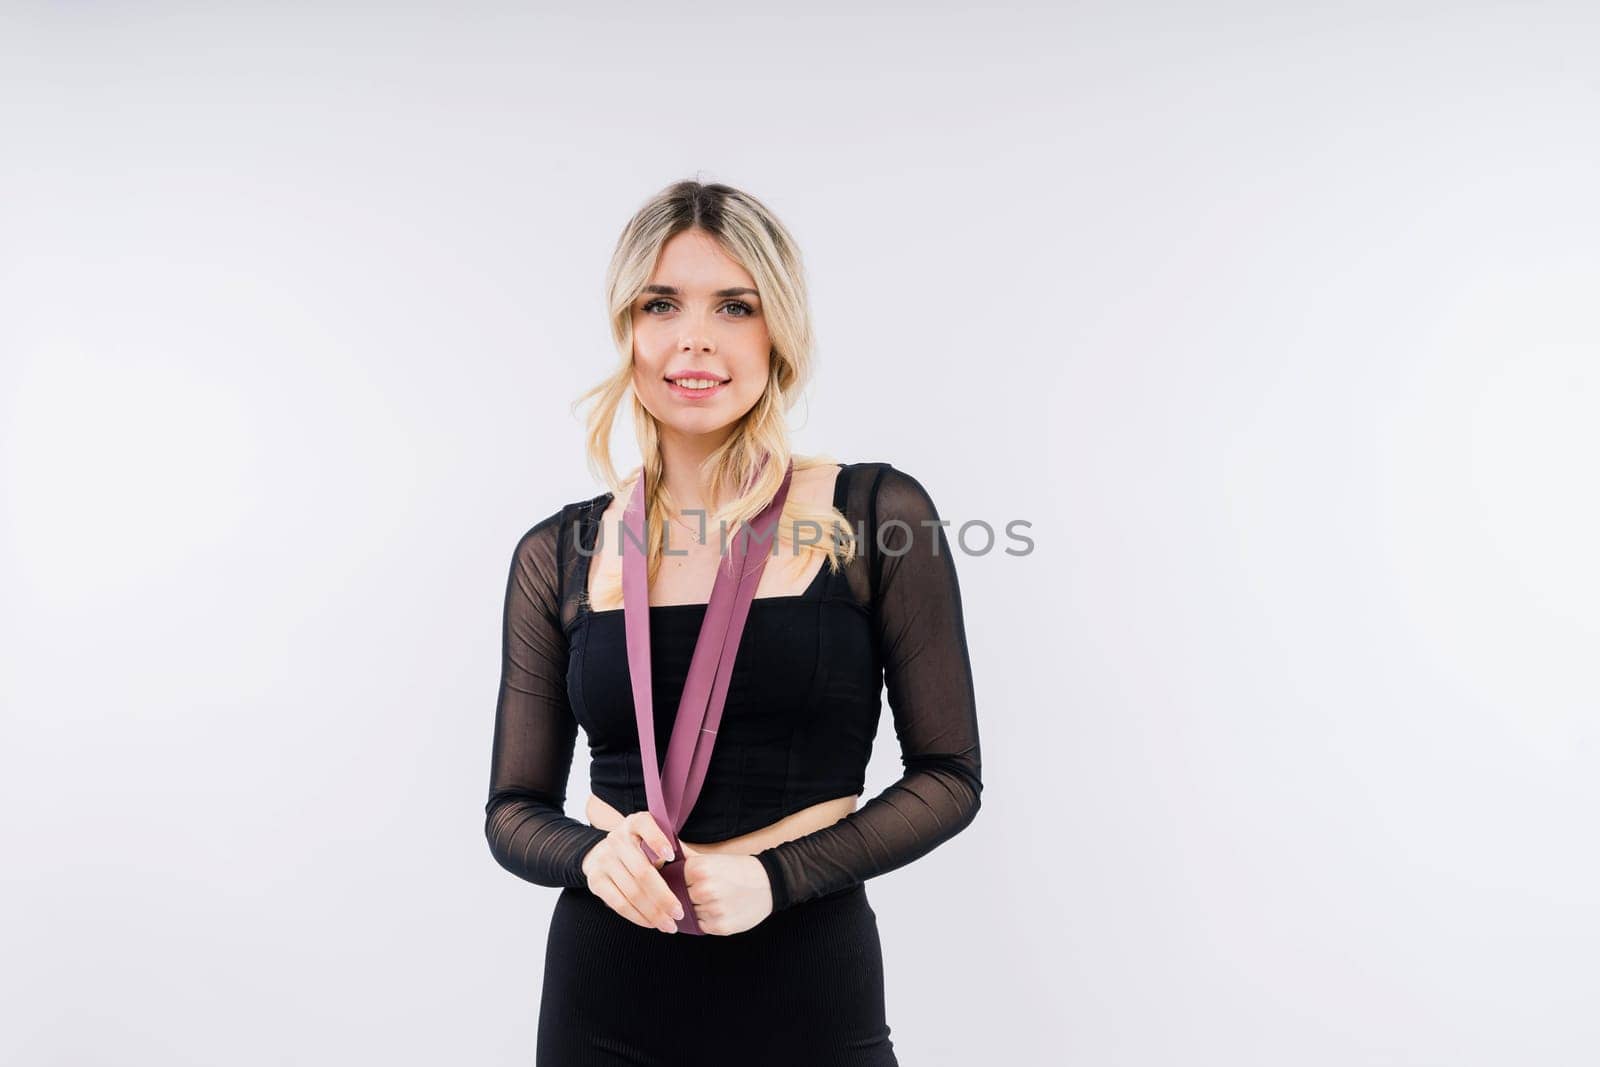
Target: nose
<point x="696" y="336"/>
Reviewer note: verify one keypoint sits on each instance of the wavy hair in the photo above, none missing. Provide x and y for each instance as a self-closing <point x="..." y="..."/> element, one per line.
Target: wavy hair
<point x="751" y="235"/>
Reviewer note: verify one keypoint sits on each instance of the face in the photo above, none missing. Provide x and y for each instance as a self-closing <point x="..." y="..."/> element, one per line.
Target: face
<point x="699" y="319"/>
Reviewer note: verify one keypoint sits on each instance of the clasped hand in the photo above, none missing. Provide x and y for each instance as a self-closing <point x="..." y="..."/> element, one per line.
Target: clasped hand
<point x="730" y="893"/>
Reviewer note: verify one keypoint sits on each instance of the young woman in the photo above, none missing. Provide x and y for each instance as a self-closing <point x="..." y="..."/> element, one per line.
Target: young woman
<point x="858" y="593"/>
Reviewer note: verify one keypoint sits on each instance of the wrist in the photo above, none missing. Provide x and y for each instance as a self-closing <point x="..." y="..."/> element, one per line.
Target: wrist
<point x="587" y="858"/>
<point x="775" y="879"/>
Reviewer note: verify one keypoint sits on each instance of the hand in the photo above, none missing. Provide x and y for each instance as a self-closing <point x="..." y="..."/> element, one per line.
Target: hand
<point x="620" y="874"/>
<point x="730" y="892"/>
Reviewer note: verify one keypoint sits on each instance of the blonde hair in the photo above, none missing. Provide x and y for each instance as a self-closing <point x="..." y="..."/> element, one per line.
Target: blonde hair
<point x="752" y="236"/>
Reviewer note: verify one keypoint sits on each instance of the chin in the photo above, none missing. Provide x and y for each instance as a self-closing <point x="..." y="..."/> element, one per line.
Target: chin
<point x="700" y="427"/>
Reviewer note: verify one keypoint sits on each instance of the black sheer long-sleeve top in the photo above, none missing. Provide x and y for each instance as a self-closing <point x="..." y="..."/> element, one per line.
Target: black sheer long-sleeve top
<point x="803" y="703"/>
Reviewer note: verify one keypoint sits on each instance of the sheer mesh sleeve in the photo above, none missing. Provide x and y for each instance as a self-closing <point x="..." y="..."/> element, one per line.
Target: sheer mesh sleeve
<point x="528" y="829"/>
<point x="917" y="621"/>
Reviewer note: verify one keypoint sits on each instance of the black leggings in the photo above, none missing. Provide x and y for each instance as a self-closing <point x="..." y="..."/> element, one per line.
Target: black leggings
<point x="804" y="986"/>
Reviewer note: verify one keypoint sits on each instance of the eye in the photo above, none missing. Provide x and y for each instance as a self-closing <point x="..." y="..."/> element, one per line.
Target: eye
<point x="745" y="310"/>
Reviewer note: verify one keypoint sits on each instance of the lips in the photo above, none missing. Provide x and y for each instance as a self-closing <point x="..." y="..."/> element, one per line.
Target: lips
<point x="685" y="393"/>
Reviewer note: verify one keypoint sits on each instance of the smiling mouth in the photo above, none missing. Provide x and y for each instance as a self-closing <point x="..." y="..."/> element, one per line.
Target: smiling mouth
<point x="696" y="393"/>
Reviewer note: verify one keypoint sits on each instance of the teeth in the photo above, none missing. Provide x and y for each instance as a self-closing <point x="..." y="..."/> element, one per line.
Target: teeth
<point x="697" y="383"/>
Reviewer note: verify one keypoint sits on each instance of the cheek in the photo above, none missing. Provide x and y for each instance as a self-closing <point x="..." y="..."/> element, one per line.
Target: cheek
<point x="648" y="352"/>
<point x="761" y="366"/>
<point x="754" y="385"/>
<point x="647" y="330"/>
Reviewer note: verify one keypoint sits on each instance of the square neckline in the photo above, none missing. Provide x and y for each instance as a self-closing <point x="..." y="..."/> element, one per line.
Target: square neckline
<point x="603" y="501"/>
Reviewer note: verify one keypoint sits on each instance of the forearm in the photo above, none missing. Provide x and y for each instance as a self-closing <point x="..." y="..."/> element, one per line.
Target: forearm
<point x="933" y="801"/>
<point x="537" y="841"/>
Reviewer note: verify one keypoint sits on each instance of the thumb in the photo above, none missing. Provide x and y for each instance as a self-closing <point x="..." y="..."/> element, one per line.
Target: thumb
<point x="653" y="841"/>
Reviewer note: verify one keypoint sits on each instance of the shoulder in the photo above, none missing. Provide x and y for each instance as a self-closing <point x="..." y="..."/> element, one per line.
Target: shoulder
<point x="540" y="545"/>
<point x="819" y="480"/>
<point x="569" y="512"/>
<point x="906" y="541"/>
<point x="895" y="493"/>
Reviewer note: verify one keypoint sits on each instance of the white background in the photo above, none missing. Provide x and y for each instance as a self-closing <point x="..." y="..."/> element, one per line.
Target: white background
<point x="1278" y="323"/>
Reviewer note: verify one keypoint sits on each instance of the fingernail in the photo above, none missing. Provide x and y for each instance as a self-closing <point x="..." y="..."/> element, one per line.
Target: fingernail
<point x="677" y="913"/>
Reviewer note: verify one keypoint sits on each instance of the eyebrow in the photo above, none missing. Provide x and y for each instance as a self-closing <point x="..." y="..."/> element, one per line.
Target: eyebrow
<point x="672" y="290"/>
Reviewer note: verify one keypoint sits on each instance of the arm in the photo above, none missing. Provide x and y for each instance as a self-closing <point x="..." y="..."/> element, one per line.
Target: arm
<point x="529" y="832"/>
<point x="917" y="621"/>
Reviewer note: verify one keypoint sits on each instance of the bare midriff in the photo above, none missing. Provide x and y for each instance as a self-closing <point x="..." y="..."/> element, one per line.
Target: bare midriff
<point x="807" y="820"/>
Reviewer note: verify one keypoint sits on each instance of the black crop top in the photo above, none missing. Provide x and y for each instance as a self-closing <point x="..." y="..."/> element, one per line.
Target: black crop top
<point x="802" y="710"/>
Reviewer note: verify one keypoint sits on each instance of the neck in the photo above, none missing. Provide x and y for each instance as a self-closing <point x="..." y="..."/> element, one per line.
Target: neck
<point x="681" y="459"/>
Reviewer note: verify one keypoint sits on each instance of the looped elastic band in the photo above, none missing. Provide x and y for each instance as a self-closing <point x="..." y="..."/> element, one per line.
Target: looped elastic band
<point x="671" y="791"/>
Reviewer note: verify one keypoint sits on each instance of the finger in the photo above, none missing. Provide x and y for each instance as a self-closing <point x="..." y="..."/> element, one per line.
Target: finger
<point x="650" y="894"/>
<point x="626" y="840"/>
<point x="645" y="826"/>
<point x="711" y="920"/>
<point x="636" y="885"/>
<point x="608" y="891"/>
<point x="700" y="887"/>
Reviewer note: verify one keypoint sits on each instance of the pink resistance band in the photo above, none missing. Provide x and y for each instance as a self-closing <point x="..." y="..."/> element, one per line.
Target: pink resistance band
<point x="671" y="792"/>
